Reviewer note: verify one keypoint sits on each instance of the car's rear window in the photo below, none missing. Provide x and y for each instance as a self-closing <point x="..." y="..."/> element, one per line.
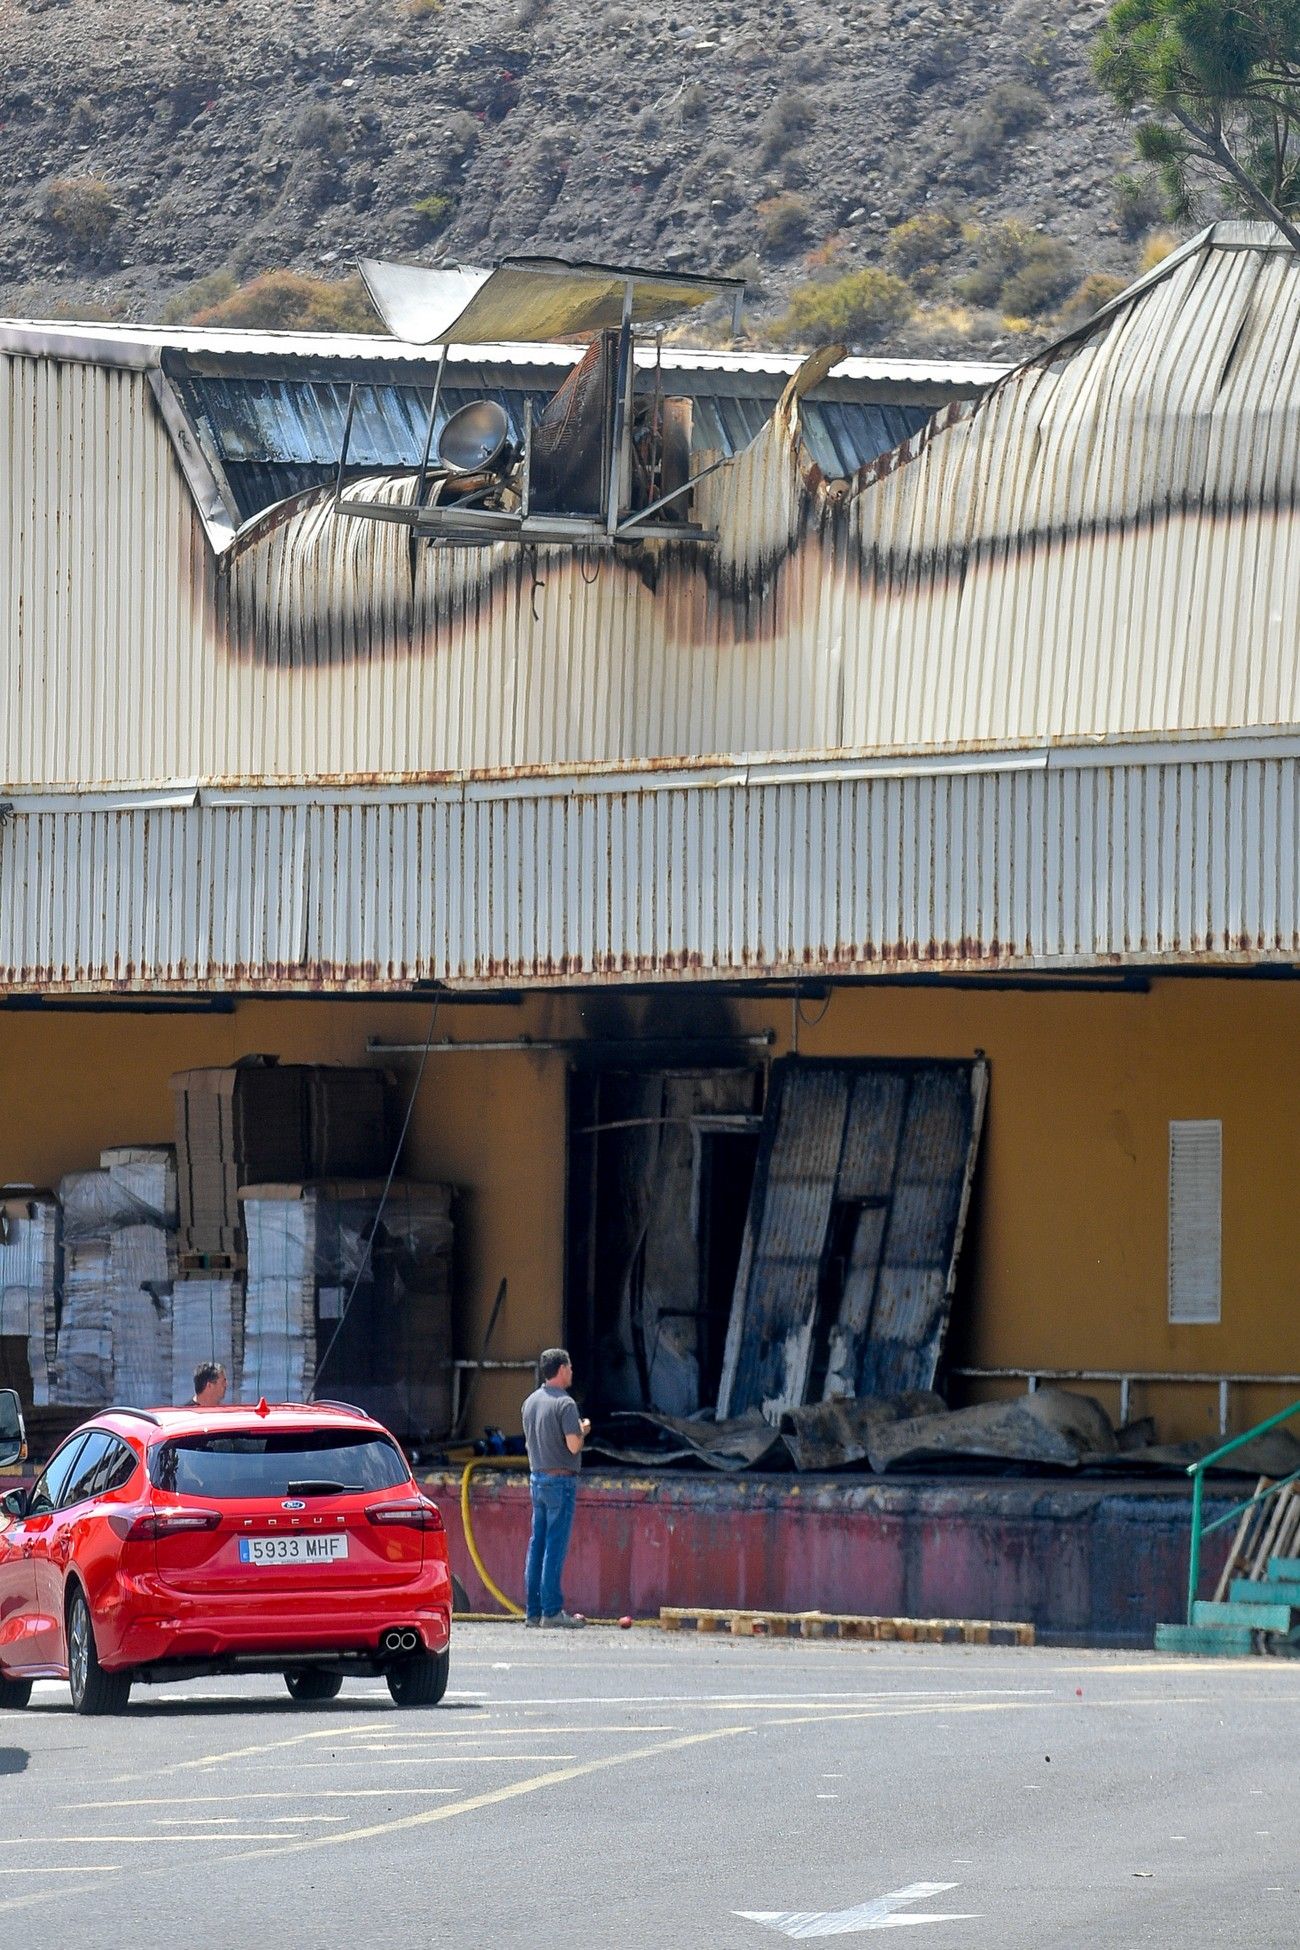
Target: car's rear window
<point x="275" y="1463"/>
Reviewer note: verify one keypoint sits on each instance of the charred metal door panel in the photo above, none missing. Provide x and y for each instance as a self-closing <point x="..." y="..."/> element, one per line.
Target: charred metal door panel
<point x="769" y="1337"/>
<point x="896" y="1140"/>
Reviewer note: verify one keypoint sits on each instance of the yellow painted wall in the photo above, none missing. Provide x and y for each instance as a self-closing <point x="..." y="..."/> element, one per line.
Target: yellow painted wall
<point x="1068" y="1263"/>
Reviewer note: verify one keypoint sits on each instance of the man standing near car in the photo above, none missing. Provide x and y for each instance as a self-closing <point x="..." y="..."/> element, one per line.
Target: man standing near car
<point x="554" y="1433"/>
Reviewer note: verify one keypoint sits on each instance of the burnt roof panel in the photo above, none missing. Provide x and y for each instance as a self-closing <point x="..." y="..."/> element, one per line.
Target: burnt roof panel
<point x="275" y="435"/>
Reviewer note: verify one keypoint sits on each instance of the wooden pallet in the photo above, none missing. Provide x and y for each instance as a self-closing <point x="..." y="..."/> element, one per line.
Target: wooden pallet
<point x="838" y="1625"/>
<point x="1267" y="1530"/>
<point x="219" y="1265"/>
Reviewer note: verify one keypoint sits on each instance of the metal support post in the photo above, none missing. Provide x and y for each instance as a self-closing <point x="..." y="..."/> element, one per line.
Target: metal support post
<point x="1194" y="1554"/>
<point x="428" y="431"/>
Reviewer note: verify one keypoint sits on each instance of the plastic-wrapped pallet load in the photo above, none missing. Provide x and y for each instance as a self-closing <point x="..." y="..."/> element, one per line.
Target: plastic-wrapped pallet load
<point x="411" y="1391"/>
<point x="280" y="1298"/>
<point x="114" y="1341"/>
<point x="29" y="1274"/>
<point x="365" y="1293"/>
<point x="83" y="1367"/>
<point x="207" y="1325"/>
<point x="144" y="1177"/>
<point x="140" y="1271"/>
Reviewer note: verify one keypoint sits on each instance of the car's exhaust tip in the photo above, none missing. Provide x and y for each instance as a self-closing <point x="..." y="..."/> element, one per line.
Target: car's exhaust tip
<point x="401" y="1638"/>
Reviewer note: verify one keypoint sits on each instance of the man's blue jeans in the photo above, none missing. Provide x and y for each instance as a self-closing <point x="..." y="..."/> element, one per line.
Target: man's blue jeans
<point x="555" y="1498"/>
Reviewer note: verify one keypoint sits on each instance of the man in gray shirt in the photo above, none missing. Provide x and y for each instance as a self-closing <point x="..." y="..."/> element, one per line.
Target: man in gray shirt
<point x="554" y="1433"/>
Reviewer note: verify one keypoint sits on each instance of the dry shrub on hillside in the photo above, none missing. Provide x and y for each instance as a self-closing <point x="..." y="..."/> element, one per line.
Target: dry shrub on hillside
<point x="81" y="210"/>
<point x="859" y="308"/>
<point x="785" y="124"/>
<point x="1009" y="110"/>
<point x="435" y="210"/>
<point x="1019" y="270"/>
<point x="1095" y="291"/>
<point x="1157" y="248"/>
<point x="183" y="306"/>
<point x="286" y="301"/>
<point x="784" y="221"/>
<point x="915" y="249"/>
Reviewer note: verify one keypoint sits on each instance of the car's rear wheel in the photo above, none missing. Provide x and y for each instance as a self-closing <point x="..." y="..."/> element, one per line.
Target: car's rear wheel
<point x="93" y="1689"/>
<point x="313" y="1683"/>
<point x="420" y="1680"/>
<point x="14" y="1692"/>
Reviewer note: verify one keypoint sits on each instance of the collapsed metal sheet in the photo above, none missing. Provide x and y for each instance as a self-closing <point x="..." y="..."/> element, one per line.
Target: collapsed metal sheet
<point x="1275" y="1455"/>
<point x="1049" y="1427"/>
<point x="528" y="298"/>
<point x="854" y="1229"/>
<point x="831" y="1435"/>
<point x="738" y="1444"/>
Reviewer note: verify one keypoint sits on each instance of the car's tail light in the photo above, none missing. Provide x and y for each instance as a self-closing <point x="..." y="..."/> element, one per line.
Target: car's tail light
<point x="164" y="1523"/>
<point x="419" y="1512"/>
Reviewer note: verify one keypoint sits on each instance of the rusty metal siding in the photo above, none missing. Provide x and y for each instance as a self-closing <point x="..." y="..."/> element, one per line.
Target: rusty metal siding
<point x="1104" y="859"/>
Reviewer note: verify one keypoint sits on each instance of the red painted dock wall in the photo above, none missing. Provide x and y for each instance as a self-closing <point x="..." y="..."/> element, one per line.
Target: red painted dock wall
<point x="1090" y="1562"/>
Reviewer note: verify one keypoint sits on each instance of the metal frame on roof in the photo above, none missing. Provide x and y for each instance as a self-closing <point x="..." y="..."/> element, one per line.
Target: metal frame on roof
<point x="542" y="298"/>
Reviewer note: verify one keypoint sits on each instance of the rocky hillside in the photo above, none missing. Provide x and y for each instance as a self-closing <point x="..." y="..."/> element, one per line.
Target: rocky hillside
<point x="161" y="154"/>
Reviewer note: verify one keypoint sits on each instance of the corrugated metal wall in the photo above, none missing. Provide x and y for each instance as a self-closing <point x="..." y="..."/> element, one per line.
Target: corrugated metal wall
<point x="1107" y="545"/>
<point x="107" y="642"/>
<point x="786" y="870"/>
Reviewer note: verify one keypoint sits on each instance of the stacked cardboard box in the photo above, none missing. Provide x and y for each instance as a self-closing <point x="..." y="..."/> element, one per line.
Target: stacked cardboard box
<point x="347" y="1129"/>
<point x="207" y="1325"/>
<point x="135" y="1185"/>
<point x="263" y="1122"/>
<point x="367" y="1295"/>
<point x="232" y="1125"/>
<point x="29" y="1283"/>
<point x="144" y="1179"/>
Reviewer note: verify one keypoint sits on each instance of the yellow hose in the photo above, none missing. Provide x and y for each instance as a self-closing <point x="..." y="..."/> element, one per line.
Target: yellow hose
<point x="479" y="1462"/>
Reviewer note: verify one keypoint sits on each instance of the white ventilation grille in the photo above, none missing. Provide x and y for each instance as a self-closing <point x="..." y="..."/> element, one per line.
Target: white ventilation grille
<point x="1195" y="1221"/>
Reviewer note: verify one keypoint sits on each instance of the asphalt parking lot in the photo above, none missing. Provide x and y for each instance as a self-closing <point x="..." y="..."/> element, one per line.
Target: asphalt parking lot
<point x="637" y="1789"/>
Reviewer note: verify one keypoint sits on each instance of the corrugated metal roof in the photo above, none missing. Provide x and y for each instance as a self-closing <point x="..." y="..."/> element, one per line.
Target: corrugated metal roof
<point x="92" y="341"/>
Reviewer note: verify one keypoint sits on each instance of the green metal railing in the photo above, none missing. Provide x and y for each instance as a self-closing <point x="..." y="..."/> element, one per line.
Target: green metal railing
<point x="1197" y="1470"/>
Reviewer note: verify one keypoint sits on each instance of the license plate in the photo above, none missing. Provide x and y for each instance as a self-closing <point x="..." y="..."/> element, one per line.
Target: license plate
<point x="292" y="1550"/>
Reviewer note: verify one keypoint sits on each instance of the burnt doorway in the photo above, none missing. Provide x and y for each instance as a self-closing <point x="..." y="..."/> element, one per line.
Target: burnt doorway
<point x="661" y="1165"/>
<point x="727" y="1160"/>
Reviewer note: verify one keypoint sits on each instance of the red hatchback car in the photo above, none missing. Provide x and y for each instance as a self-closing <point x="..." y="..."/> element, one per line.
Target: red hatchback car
<point x="172" y="1543"/>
